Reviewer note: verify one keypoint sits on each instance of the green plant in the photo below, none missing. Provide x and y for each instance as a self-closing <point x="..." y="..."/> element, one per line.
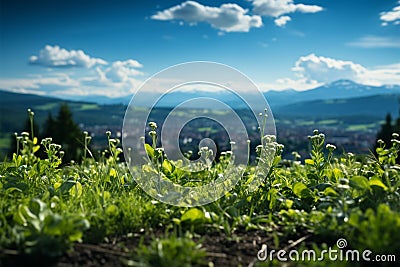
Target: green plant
<point x="46" y="206"/>
<point x="170" y="251"/>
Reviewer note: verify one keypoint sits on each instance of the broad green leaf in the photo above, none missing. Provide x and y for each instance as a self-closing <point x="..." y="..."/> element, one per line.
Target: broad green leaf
<point x="382" y="151"/>
<point x="329" y="191"/>
<point x="309" y="162"/>
<point x="76" y="190"/>
<point x="57" y="185"/>
<point x="337" y="173"/>
<point x="112" y="210"/>
<point x="193" y="215"/>
<point x="301" y="190"/>
<point x="377" y="182"/>
<point x="178" y="172"/>
<point x="176" y="221"/>
<point x="149" y="150"/>
<point x="359" y="182"/>
<point x="18" y="217"/>
<point x="288" y="203"/>
<point x="38" y="208"/>
<point x="24" y="216"/>
<point x="113" y="172"/>
<point x="106" y="195"/>
<point x="26" y="213"/>
<point x="66" y="186"/>
<point x="35" y="149"/>
<point x="277" y="160"/>
<point x="168" y="167"/>
<point x="76" y="236"/>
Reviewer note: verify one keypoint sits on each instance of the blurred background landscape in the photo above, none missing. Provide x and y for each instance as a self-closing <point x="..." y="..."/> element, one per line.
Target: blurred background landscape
<point x="331" y="65"/>
<point x="352" y="117"/>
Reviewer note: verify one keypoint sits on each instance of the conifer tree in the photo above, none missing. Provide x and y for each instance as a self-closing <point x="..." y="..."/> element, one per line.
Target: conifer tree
<point x="67" y="133"/>
<point x="386" y="131"/>
<point x="63" y="131"/>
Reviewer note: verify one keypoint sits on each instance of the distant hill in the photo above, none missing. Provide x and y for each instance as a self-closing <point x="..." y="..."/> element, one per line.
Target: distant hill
<point x="347" y="102"/>
<point x="342" y="97"/>
<point x="17" y="99"/>
<point x="13" y="108"/>
<point x="170" y="100"/>
<point x="339" y="98"/>
<point x="376" y="106"/>
<point x="341" y="89"/>
<point x="101" y="99"/>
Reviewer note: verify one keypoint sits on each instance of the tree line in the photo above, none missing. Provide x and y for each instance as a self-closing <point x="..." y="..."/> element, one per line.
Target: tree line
<point x="386" y="131"/>
<point x="65" y="131"/>
<point x="62" y="129"/>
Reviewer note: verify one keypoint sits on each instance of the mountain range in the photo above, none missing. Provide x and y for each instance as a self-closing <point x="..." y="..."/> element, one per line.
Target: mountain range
<point x="343" y="101"/>
<point x="340" y="89"/>
<point x="340" y="98"/>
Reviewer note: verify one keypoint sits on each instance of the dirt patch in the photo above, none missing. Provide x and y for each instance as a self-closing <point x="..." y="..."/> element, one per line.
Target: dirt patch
<point x="238" y="249"/>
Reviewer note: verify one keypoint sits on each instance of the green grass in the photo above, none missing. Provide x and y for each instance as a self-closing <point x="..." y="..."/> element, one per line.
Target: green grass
<point x="362" y="127"/>
<point x="84" y="107"/>
<point x="328" y="122"/>
<point x="47" y="106"/>
<point x="47" y="207"/>
<point x="305" y="123"/>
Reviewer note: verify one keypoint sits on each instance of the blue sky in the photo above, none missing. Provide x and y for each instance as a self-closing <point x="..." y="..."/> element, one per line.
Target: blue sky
<point x="87" y="47"/>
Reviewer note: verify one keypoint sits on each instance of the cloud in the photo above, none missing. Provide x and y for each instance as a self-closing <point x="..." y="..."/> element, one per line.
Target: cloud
<point x="119" y="79"/>
<point x="392" y="16"/>
<point x="87" y="82"/>
<point x="387" y="74"/>
<point x="312" y="70"/>
<point x="121" y="71"/>
<point x="324" y="69"/>
<point x="54" y="56"/>
<point x="277" y="8"/>
<point x="371" y="41"/>
<point x="96" y="77"/>
<point x="288" y="83"/>
<point x="39" y="84"/>
<point x="227" y="17"/>
<point x="281" y="21"/>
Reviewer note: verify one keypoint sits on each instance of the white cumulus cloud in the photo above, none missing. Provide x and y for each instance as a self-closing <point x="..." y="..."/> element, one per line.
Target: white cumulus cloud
<point x="387" y="74"/>
<point x="392" y="16"/>
<point x="121" y="71"/>
<point x="55" y="56"/>
<point x="325" y="69"/>
<point x="227" y="17"/>
<point x="281" y="21"/>
<point x="313" y="70"/>
<point x="96" y="77"/>
<point x="277" y="8"/>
